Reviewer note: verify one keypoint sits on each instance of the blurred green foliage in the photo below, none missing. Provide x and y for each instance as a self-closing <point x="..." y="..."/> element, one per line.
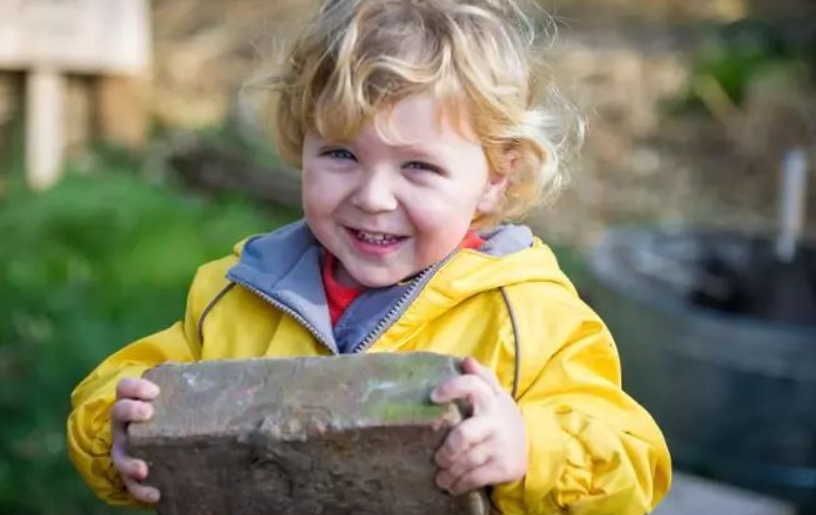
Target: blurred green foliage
<point x="738" y="53"/>
<point x="86" y="267"/>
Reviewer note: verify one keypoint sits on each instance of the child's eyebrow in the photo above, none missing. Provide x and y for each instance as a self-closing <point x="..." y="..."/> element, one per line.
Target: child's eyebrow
<point x="431" y="153"/>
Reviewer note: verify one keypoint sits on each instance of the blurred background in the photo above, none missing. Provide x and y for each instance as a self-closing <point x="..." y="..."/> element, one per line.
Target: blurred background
<point x="670" y="226"/>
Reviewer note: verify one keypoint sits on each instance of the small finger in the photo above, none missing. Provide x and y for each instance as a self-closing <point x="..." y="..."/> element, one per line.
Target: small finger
<point x="141" y="492"/>
<point x="480" y="395"/>
<point x="136" y="388"/>
<point x="127" y="466"/>
<point x="479" y="477"/>
<point x="471" y="366"/>
<point x="474" y="458"/>
<point x="128" y="410"/>
<point x="469" y="433"/>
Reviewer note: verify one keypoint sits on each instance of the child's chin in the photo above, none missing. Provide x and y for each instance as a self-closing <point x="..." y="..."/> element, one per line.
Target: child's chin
<point x="379" y="279"/>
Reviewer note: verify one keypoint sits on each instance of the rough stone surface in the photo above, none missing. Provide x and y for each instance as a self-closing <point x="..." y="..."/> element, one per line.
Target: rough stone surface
<point x="346" y="435"/>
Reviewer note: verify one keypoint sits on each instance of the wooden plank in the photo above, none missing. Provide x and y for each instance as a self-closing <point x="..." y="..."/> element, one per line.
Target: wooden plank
<point x="44" y="127"/>
<point x="80" y="36"/>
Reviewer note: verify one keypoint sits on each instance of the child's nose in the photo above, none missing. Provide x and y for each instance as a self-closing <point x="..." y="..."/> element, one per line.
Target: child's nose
<point x="374" y="193"/>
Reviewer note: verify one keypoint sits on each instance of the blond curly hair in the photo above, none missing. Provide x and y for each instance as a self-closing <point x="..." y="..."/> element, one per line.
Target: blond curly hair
<point x="480" y="58"/>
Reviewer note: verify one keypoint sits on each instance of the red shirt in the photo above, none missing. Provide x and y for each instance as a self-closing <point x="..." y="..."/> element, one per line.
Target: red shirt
<point x="340" y="296"/>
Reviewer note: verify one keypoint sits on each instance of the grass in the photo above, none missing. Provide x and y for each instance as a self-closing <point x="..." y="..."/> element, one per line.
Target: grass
<point x="86" y="267"/>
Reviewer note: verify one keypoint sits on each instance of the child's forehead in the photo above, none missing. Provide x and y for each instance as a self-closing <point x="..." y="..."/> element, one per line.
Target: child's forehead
<point x="422" y="118"/>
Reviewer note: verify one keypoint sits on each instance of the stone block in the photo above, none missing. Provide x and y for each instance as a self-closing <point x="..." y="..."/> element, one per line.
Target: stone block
<point x="343" y="435"/>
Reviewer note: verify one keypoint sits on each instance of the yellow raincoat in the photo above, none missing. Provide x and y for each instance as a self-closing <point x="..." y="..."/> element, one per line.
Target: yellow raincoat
<point x="592" y="449"/>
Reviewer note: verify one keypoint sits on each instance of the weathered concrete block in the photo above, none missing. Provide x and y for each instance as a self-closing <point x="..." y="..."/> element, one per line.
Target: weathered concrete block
<point x="346" y="435"/>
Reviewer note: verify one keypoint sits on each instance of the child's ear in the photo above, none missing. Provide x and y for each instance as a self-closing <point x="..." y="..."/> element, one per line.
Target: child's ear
<point x="497" y="184"/>
<point x="492" y="194"/>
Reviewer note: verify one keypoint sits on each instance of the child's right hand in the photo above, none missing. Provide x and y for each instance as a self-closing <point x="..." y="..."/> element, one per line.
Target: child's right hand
<point x="132" y="404"/>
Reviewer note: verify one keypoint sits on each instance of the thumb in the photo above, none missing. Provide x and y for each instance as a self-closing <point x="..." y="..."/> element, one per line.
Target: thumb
<point x="471" y="366"/>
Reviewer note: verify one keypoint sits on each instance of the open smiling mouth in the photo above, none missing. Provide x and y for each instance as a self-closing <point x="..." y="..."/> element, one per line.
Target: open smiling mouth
<point x="375" y="238"/>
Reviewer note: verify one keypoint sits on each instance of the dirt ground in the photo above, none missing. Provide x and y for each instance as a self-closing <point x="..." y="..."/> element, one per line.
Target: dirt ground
<point x="624" y="61"/>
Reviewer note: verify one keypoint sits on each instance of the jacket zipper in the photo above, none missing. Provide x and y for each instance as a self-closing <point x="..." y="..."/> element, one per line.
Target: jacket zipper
<point x="400" y="306"/>
<point x="393" y="314"/>
<point x="282" y="307"/>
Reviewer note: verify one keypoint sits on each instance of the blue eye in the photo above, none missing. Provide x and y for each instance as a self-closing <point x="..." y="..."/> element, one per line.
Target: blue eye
<point x="339" y="153"/>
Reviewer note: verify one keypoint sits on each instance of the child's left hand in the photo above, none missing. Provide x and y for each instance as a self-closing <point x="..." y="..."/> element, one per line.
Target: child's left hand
<point x="490" y="447"/>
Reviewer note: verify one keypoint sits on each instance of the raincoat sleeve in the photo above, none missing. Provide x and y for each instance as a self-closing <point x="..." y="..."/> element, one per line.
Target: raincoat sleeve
<point x="88" y="431"/>
<point x="592" y="449"/>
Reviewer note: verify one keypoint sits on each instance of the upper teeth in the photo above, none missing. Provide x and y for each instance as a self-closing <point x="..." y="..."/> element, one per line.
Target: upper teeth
<point x="375" y="237"/>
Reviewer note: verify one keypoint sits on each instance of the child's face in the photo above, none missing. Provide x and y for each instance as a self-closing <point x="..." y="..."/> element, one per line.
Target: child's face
<point x="389" y="209"/>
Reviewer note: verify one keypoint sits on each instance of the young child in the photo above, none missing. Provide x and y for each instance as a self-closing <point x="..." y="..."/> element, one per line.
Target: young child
<point x="416" y="128"/>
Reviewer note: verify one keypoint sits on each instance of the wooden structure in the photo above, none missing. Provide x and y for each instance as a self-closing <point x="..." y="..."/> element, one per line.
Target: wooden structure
<point x="48" y="39"/>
